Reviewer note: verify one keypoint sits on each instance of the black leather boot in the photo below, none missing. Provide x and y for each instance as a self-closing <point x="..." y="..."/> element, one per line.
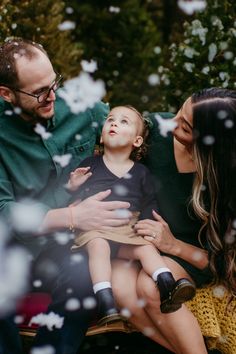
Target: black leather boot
<point x="174" y="293"/>
<point x="107" y="311"/>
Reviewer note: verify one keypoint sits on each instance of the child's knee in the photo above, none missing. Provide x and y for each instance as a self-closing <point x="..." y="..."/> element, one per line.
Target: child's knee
<point x="97" y="244"/>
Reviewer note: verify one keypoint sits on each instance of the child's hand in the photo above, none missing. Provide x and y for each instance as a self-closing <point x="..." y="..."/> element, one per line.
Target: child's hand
<point x="78" y="177"/>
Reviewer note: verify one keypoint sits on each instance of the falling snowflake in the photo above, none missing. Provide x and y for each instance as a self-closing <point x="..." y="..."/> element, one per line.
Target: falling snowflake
<point x="219" y="291"/>
<point x="114" y="9"/>
<point x="49" y="320"/>
<point x="165" y="125"/>
<point x="46" y="349"/>
<point x="27" y="215"/>
<point x="66" y="25"/>
<point x="189" y="7"/>
<point x="40" y="130"/>
<point x="62" y="160"/>
<point x="82" y="92"/>
<point x="89" y="67"/>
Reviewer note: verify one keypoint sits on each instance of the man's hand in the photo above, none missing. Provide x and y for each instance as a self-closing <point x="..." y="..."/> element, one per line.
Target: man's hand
<point x="94" y="213"/>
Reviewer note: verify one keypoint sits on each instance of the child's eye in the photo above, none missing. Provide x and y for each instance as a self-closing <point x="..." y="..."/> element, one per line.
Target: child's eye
<point x="124" y="121"/>
<point x="110" y="119"/>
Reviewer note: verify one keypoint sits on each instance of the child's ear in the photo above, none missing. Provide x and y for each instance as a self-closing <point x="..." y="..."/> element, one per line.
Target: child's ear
<point x="101" y="140"/>
<point x="138" y="141"/>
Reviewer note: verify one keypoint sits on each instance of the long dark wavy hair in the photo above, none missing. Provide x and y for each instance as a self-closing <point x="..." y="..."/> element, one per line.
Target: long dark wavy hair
<point x="214" y="190"/>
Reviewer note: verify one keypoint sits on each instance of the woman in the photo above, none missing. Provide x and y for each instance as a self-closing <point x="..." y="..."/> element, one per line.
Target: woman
<point x="201" y="150"/>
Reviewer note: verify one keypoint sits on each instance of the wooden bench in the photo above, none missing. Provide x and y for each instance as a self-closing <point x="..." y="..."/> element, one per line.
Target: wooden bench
<point x="218" y="326"/>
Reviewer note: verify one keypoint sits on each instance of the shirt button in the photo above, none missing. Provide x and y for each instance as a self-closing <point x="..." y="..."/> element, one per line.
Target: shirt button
<point x="81" y="149"/>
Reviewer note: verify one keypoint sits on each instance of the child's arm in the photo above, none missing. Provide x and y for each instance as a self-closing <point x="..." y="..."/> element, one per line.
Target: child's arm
<point x="78" y="177"/>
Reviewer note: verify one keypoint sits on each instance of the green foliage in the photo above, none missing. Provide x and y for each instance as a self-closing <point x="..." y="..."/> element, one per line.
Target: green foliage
<point x="121" y="37"/>
<point x="205" y="56"/>
<point x="38" y="21"/>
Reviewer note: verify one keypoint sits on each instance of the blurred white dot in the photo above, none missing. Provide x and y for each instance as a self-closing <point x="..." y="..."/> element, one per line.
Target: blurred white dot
<point x="116" y="73"/>
<point x="153" y="79"/>
<point x="46" y="349"/>
<point x="197" y="256"/>
<point x="123" y="213"/>
<point x="203" y="187"/>
<point x="120" y="190"/>
<point x="62" y="238"/>
<point x="17" y="110"/>
<point x="78" y="137"/>
<point x="94" y="124"/>
<point x="125" y="313"/>
<point x="141" y="303"/>
<point x="117" y="347"/>
<point x="221" y="114"/>
<point x="219" y="291"/>
<point x="228" y="55"/>
<point x="18" y="319"/>
<point x="72" y="304"/>
<point x="76" y="257"/>
<point x="127" y="176"/>
<point x="69" y="291"/>
<point x="69" y="10"/>
<point x="14" y="25"/>
<point x="229" y="123"/>
<point x="8" y="112"/>
<point x="157" y="50"/>
<point x="37" y="283"/>
<point x="208" y="140"/>
<point x="148" y="331"/>
<point x="119" y="54"/>
<point x="89" y="303"/>
<point x="234" y="223"/>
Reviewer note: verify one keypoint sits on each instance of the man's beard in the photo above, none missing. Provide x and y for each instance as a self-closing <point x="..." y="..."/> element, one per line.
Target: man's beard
<point x="29" y="115"/>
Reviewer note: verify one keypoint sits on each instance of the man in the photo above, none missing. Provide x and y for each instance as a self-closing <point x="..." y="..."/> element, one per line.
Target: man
<point x="29" y="169"/>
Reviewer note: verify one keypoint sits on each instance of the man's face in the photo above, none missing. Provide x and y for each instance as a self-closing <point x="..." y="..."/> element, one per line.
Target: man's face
<point x="35" y="76"/>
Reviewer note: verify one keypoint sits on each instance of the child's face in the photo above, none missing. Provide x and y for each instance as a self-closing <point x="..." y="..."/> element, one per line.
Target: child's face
<point x="122" y="128"/>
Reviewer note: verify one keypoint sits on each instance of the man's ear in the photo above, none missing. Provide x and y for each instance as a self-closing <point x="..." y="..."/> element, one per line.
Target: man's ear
<point x="6" y="94"/>
<point x="138" y="141"/>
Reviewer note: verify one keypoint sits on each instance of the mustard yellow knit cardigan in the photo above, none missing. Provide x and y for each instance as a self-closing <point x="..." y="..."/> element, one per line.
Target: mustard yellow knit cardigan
<point x="217" y="321"/>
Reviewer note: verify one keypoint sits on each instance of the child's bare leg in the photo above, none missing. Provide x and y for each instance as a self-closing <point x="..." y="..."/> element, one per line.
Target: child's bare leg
<point x="99" y="260"/>
<point x="172" y="293"/>
<point x="100" y="270"/>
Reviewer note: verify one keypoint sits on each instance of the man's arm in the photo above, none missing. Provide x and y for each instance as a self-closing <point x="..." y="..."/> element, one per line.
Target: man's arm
<point x="91" y="213"/>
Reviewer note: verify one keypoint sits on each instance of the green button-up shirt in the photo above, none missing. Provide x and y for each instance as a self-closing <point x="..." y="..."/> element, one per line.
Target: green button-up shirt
<point x="27" y="165"/>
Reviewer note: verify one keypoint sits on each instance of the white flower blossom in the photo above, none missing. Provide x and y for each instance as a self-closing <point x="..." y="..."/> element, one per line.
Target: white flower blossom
<point x="212" y="52"/>
<point x="40" y="130"/>
<point x="205" y="70"/>
<point x="189" y="7"/>
<point x="198" y="30"/>
<point x="49" y="320"/>
<point x="190" y="52"/>
<point x="82" y="92"/>
<point x="189" y="67"/>
<point x="165" y="125"/>
<point x="89" y="66"/>
<point x="217" y="23"/>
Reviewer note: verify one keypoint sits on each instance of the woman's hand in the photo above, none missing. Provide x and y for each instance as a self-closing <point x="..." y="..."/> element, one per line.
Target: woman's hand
<point x="158" y="233"/>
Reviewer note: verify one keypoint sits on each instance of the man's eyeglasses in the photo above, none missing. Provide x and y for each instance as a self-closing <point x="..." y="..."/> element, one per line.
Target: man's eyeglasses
<point x="44" y="94"/>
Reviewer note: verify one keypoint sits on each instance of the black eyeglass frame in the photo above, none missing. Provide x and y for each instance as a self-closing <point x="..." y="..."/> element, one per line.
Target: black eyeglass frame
<point x="54" y="87"/>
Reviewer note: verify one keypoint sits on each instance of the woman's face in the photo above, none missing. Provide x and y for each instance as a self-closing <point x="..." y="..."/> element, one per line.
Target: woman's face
<point x="184" y="119"/>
